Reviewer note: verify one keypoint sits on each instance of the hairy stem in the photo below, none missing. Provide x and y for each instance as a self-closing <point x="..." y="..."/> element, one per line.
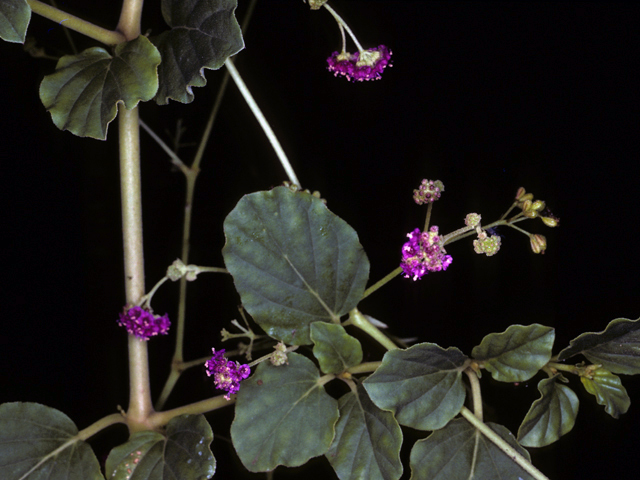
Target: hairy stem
<point x="108" y="37"/>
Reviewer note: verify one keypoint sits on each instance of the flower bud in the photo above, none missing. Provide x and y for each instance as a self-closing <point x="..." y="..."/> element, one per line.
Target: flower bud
<point x="538" y="243"/>
<point x="176" y="270"/>
<point x="472" y="220"/>
<point x="550" y="221"/>
<point x="538" y="205"/>
<point x="520" y="193"/>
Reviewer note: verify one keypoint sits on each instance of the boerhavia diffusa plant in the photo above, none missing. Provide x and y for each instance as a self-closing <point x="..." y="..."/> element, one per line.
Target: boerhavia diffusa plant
<point x="301" y="278"/>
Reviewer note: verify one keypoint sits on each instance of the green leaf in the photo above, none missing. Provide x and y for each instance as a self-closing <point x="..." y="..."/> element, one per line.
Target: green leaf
<point x="293" y="262"/>
<point x="422" y="385"/>
<point x="367" y="442"/>
<point x="182" y="452"/>
<point x="38" y="442"/>
<point x="516" y="354"/>
<point x="82" y="95"/>
<point x="608" y="391"/>
<point x="448" y="454"/>
<point x="205" y="33"/>
<point x="617" y="348"/>
<point x="549" y="417"/>
<point x="334" y="348"/>
<point x="14" y="20"/>
<point x="283" y="416"/>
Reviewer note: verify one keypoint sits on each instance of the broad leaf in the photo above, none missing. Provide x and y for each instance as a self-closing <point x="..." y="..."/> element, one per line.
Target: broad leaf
<point x="449" y="454"/>
<point x="205" y="33"/>
<point x="14" y="20"/>
<point x="283" y="416"/>
<point x="334" y="348"/>
<point x="38" y="442"/>
<point x="608" y="391"/>
<point x="422" y="385"/>
<point x="549" y="417"/>
<point x="83" y="93"/>
<point x="368" y="440"/>
<point x="182" y="452"/>
<point x="617" y="348"/>
<point x="516" y="354"/>
<point x="293" y="262"/>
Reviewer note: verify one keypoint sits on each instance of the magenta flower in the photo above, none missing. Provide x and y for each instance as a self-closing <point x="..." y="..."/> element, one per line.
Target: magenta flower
<point x="227" y="375"/>
<point x="428" y="192"/>
<point x="360" y="66"/>
<point x="423" y="253"/>
<point x="144" y="324"/>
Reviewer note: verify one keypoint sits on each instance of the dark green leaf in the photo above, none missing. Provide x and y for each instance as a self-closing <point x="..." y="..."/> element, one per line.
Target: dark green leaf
<point x="617" y="348"/>
<point x="37" y="442"/>
<point x="334" y="348"/>
<point x="448" y="454"/>
<point x="14" y="20"/>
<point x="181" y="453"/>
<point x="516" y="354"/>
<point x="367" y="442"/>
<point x="283" y="416"/>
<point x="422" y="385"/>
<point x="608" y="391"/>
<point x="293" y="262"/>
<point x="549" y="417"/>
<point x="205" y="33"/>
<point x="83" y="93"/>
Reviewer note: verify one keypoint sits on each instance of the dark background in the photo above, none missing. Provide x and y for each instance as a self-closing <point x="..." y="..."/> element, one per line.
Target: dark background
<point x="485" y="96"/>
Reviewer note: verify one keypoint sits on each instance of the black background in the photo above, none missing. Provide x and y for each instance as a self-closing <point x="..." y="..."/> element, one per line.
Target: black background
<point x="485" y="96"/>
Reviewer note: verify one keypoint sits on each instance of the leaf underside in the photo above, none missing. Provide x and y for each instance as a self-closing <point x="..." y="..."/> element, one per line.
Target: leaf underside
<point x="617" y="348"/>
<point x="422" y="385"/>
<point x="14" y="20"/>
<point x="83" y="93"/>
<point x="293" y="262"/>
<point x="30" y="434"/>
<point x="204" y="34"/>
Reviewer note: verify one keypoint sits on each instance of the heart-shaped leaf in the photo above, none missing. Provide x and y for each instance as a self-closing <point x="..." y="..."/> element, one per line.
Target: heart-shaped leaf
<point x="516" y="354"/>
<point x="283" y="416"/>
<point x="82" y="95"/>
<point x="367" y="442"/>
<point x="608" y="391"/>
<point x="37" y="442"/>
<point x="549" y="417"/>
<point x="205" y="33"/>
<point x="182" y="452"/>
<point x="14" y="20"/>
<point x="460" y="452"/>
<point x="422" y="385"/>
<point x="293" y="262"/>
<point x="617" y="348"/>
<point x="334" y="348"/>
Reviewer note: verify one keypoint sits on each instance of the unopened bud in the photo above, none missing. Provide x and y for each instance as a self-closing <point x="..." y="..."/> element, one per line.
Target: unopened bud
<point x="279" y="356"/>
<point x="526" y="205"/>
<point x="538" y="205"/>
<point x="520" y="193"/>
<point x="550" y="221"/>
<point x="316" y="4"/>
<point x="538" y="243"/>
<point x="472" y="220"/>
<point x="176" y="270"/>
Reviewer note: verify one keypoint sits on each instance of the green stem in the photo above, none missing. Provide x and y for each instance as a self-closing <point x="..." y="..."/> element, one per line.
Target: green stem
<point x="159" y="419"/>
<point x="383" y="281"/>
<point x="357" y="319"/>
<point x="130" y="15"/>
<point x="428" y="217"/>
<point x="365" y="367"/>
<point x="108" y="37"/>
<point x="255" y="109"/>
<point x="502" y="445"/>
<point x="100" y="425"/>
<point x="139" y="388"/>
<point x="475" y="392"/>
<point x="344" y="24"/>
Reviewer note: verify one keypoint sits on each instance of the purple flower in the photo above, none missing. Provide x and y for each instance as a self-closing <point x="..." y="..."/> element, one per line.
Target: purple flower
<point x="360" y="66"/>
<point x="144" y="324"/>
<point x="423" y="253"/>
<point x="428" y="192"/>
<point x="227" y="375"/>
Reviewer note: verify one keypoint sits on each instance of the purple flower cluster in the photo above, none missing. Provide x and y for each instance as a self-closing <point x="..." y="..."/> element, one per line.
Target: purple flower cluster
<point x="227" y="375"/>
<point x="423" y="253"/>
<point x="360" y="66"/>
<point x="144" y="324"/>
